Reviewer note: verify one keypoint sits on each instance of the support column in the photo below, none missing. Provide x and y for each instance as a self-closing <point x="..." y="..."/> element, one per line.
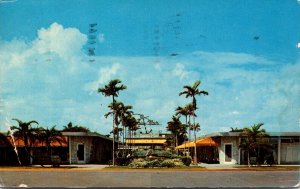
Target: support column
<point x="279" y="150"/>
<point x="70" y="150"/>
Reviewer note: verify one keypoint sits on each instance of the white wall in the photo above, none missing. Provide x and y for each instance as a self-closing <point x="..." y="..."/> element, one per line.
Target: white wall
<point x="234" y="141"/>
<point x="75" y="140"/>
<point x="290" y="153"/>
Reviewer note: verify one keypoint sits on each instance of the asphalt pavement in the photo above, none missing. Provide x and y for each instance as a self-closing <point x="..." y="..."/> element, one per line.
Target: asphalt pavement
<point x="96" y="176"/>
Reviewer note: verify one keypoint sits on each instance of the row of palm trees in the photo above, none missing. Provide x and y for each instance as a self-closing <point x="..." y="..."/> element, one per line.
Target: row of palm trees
<point x="121" y="114"/>
<point x="29" y="135"/>
<point x="31" y="132"/>
<point x="176" y="127"/>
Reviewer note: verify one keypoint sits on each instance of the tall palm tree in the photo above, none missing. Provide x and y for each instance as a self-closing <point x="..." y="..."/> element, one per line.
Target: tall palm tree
<point x="26" y="132"/>
<point x="125" y="111"/>
<point x="193" y="91"/>
<point x="187" y="112"/>
<point x="176" y="128"/>
<point x="120" y="112"/>
<point x="195" y="128"/>
<point x="132" y="124"/>
<point x="250" y="143"/>
<point x="112" y="89"/>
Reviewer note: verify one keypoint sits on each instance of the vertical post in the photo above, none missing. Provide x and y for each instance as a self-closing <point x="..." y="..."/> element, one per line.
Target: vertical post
<point x="279" y="150"/>
<point x="70" y="150"/>
<point x="239" y="155"/>
<point x="113" y="137"/>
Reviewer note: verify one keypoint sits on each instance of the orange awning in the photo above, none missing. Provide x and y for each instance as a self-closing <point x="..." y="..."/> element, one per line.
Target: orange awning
<point x="201" y="142"/>
<point x="20" y="143"/>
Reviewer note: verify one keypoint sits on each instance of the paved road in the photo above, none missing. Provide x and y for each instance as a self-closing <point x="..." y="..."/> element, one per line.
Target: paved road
<point x="101" y="178"/>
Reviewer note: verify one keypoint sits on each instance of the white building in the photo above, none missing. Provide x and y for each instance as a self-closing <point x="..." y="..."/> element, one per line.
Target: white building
<point x="223" y="147"/>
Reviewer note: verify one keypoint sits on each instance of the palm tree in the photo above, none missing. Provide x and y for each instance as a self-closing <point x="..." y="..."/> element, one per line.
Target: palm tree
<point x="182" y="111"/>
<point x="49" y="136"/>
<point x="112" y="89"/>
<point x="236" y="129"/>
<point x="187" y="111"/>
<point x="195" y="128"/>
<point x="132" y="124"/>
<point x="75" y="128"/>
<point x="250" y="142"/>
<point x="193" y="91"/>
<point x="176" y="128"/>
<point x="25" y="131"/>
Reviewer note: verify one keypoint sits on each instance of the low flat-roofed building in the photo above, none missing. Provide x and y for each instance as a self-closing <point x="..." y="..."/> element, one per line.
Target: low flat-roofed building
<point x="223" y="147"/>
<point x="74" y="148"/>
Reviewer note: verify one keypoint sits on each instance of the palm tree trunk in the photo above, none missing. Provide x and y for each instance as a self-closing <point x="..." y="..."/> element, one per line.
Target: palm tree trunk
<point x="195" y="147"/>
<point x="189" y="128"/>
<point x="113" y="156"/>
<point x="248" y="156"/>
<point x="185" y="136"/>
<point x="176" y="141"/>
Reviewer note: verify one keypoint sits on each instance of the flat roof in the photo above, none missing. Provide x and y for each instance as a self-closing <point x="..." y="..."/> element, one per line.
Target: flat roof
<point x="236" y="134"/>
<point x="91" y="134"/>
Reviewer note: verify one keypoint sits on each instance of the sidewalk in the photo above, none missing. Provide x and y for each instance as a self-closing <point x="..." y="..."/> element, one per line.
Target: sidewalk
<point x="92" y="166"/>
<point x="220" y="166"/>
<point x="204" y="165"/>
<point x="237" y="166"/>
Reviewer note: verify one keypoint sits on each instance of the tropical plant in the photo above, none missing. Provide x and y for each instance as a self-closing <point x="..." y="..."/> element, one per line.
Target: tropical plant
<point x="187" y="111"/>
<point x="193" y="91"/>
<point x="176" y="128"/>
<point x="250" y="141"/>
<point x="50" y="135"/>
<point x="120" y="112"/>
<point x="236" y="129"/>
<point x="112" y="89"/>
<point x="74" y="128"/>
<point x="195" y="127"/>
<point x="26" y="132"/>
<point x="132" y="124"/>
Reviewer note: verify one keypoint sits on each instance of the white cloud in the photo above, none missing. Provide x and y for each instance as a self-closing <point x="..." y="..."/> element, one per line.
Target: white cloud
<point x="179" y="71"/>
<point x="105" y="74"/>
<point x="66" y="42"/>
<point x="36" y="77"/>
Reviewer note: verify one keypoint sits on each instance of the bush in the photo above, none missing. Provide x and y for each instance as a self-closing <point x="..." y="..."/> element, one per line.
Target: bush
<point x="168" y="163"/>
<point x="186" y="160"/>
<point x="154" y="163"/>
<point x="178" y="162"/>
<point x="138" y="163"/>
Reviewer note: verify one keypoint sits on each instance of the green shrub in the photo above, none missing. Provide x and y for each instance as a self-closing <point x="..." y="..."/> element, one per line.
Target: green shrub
<point x="139" y="153"/>
<point x="138" y="163"/>
<point x="186" y="160"/>
<point x="168" y="163"/>
<point x="178" y="162"/>
<point x="154" y="163"/>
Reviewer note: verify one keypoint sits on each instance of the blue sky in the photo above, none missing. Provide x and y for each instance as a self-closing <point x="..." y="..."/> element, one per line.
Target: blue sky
<point x="246" y="53"/>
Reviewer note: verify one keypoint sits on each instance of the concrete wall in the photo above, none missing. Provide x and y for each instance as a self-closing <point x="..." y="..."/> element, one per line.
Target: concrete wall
<point x="74" y="141"/>
<point x="290" y="153"/>
<point x="234" y="141"/>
